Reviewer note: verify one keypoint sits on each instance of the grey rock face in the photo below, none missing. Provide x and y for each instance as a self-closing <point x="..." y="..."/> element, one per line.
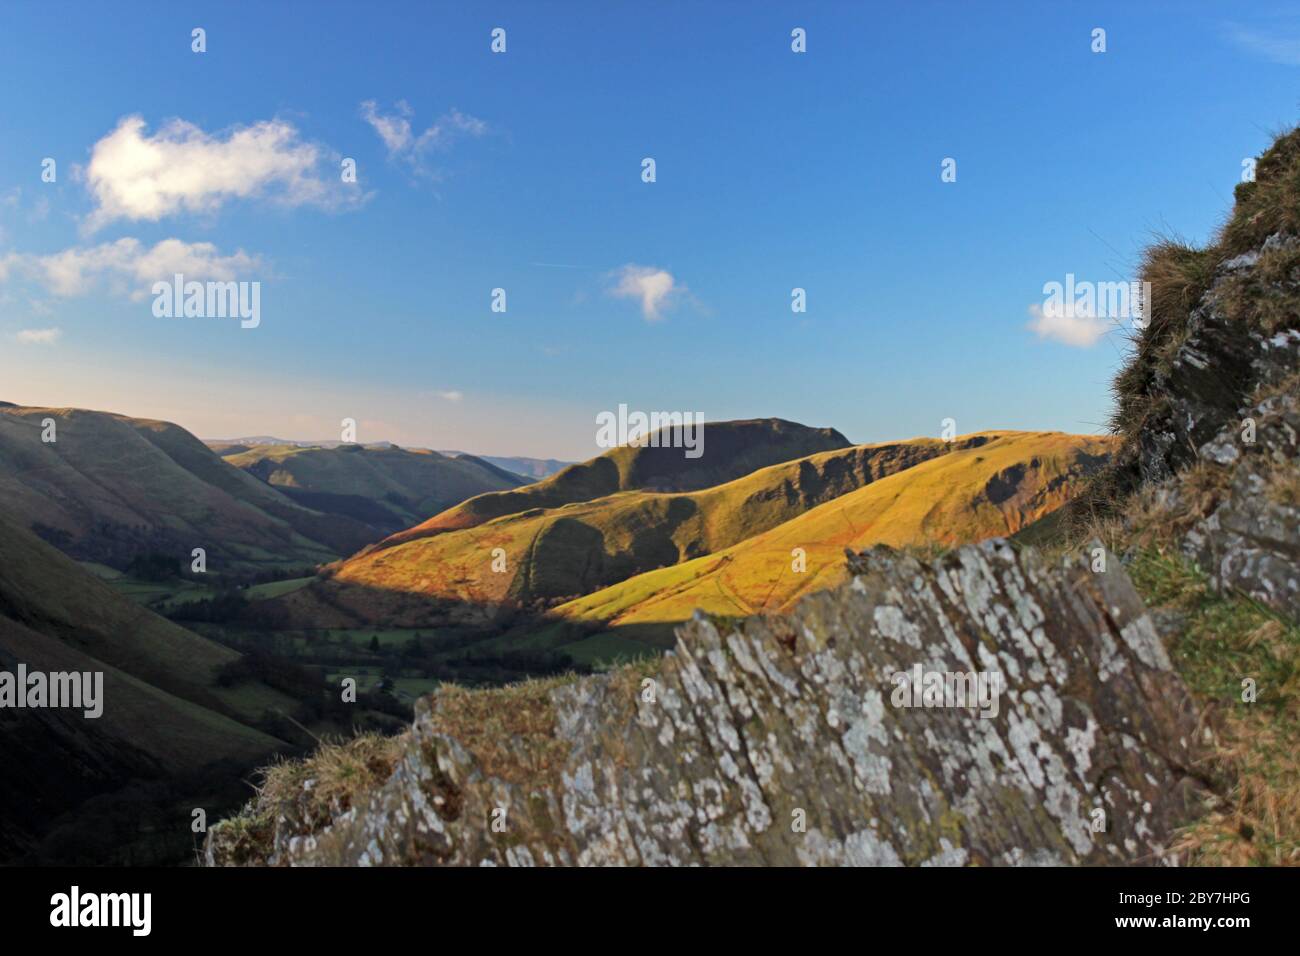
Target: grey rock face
<point x="1250" y="542"/>
<point x="789" y="740"/>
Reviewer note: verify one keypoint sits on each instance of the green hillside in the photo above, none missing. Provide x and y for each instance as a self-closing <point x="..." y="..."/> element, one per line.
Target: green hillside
<point x="383" y="486"/>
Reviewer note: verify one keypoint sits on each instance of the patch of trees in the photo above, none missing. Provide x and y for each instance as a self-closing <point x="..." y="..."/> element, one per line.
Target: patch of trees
<point x="225" y="606"/>
<point x="154" y="566"/>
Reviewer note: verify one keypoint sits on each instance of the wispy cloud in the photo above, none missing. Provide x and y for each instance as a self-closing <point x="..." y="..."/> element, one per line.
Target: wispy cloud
<point x="1067" y="323"/>
<point x="451" y="395"/>
<point x="134" y="175"/>
<point x="655" y="289"/>
<point x="1279" y="44"/>
<point x="39" y="336"/>
<point x="126" y="266"/>
<point x="403" y="143"/>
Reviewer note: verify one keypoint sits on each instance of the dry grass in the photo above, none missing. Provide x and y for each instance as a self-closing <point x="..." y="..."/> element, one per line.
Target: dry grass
<point x="1282" y="483"/>
<point x="304" y="795"/>
<point x="331" y="780"/>
<point x="1271" y="203"/>
<point x="1268" y="296"/>
<point x="510" y="731"/>
<point x="1179" y="275"/>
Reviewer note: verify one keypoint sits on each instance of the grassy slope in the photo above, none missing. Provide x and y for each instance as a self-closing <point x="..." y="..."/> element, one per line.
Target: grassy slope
<point x="409" y="485"/>
<point x="117" y="487"/>
<point x="45" y="591"/>
<point x="965" y="496"/>
<point x="577" y="548"/>
<point x="1255" y="757"/>
<point x="163" y="719"/>
<point x="731" y="450"/>
<point x="179" y="733"/>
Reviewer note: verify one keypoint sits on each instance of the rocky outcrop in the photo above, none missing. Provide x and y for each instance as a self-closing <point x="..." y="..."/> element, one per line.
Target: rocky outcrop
<point x="792" y="740"/>
<point x="1250" y="540"/>
<point x="1220" y="361"/>
<point x="1230" y="405"/>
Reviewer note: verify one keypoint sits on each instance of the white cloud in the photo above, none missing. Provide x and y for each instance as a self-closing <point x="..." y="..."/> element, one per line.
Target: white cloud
<point x="655" y="288"/>
<point x="395" y="131"/>
<point x="136" y="176"/>
<point x="127" y="266"/>
<point x="401" y="141"/>
<point x="452" y="395"/>
<point x="1067" y="323"/>
<point x="39" y="336"/>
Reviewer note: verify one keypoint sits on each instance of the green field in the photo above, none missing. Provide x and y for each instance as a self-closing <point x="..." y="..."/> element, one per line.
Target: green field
<point x="259" y="592"/>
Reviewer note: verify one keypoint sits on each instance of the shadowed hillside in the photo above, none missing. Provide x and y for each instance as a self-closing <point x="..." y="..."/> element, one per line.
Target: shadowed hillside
<point x="170" y="735"/>
<point x="110" y="489"/>
<point x="385" y="487"/>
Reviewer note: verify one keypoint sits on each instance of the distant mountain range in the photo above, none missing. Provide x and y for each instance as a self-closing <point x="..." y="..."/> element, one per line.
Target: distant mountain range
<point x="531" y="468"/>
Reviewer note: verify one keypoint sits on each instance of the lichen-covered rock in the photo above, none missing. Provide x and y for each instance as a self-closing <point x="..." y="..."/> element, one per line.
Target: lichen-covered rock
<point x="1250" y="541"/>
<point x="789" y="740"/>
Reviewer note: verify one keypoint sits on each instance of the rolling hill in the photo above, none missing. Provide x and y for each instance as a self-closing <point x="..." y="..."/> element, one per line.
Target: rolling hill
<point x="627" y="491"/>
<point x="385" y="487"/>
<point x="731" y="450"/>
<point x="168" y="729"/>
<point x="111" y="488"/>
<point x="562" y="552"/>
<point x="974" y="493"/>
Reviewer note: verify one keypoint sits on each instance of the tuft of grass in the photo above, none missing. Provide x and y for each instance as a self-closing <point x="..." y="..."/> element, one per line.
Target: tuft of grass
<point x="1268" y="296"/>
<point x="1282" y="483"/>
<point x="331" y="780"/>
<point x="509" y="731"/>
<point x="1179" y="276"/>
<point x="1269" y="204"/>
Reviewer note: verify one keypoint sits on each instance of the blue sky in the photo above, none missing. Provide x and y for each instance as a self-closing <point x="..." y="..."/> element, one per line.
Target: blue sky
<point x="522" y="171"/>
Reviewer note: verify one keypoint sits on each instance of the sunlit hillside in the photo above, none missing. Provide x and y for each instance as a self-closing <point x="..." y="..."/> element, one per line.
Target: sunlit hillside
<point x="969" y="495"/>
